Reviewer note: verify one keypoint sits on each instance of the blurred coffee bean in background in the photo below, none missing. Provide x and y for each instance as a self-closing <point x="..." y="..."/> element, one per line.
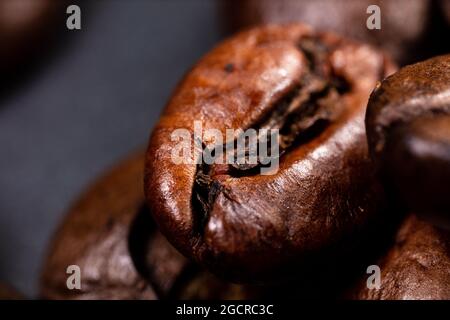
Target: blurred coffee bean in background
<point x="26" y="30"/>
<point x="416" y="267"/>
<point x="411" y="30"/>
<point x="445" y="8"/>
<point x="408" y="130"/>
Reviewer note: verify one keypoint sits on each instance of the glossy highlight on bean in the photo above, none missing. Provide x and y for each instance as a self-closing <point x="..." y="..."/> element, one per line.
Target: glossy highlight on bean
<point x="250" y="227"/>
<point x="408" y="130"/>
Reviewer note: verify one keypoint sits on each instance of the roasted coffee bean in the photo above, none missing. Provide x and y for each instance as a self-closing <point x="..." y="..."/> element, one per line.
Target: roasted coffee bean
<point x="404" y="23"/>
<point x="25" y="28"/>
<point x="94" y="236"/>
<point x="111" y="236"/>
<point x="174" y="277"/>
<point x="417" y="267"/>
<point x="171" y="275"/>
<point x="250" y="227"/>
<point x="408" y="129"/>
<point x="8" y="293"/>
<point x="445" y="7"/>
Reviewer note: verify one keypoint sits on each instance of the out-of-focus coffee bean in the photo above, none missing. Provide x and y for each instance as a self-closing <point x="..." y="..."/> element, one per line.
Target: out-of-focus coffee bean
<point x="404" y="23"/>
<point x="408" y="129"/>
<point x="417" y="267"/>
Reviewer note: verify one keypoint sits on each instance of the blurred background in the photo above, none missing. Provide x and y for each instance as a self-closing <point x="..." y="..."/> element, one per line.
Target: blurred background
<point x="73" y="103"/>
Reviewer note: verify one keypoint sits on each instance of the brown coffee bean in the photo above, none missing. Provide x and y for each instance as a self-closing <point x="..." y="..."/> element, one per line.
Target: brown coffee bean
<point x="445" y="8"/>
<point x="311" y="86"/>
<point x="25" y="25"/>
<point x="111" y="236"/>
<point x="417" y="267"/>
<point x="171" y="275"/>
<point x="404" y="23"/>
<point x="408" y="129"/>
<point x="94" y="236"/>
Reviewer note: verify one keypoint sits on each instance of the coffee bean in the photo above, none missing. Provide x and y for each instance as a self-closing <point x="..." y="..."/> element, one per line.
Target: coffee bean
<point x="94" y="236"/>
<point x="25" y="25"/>
<point x="110" y="235"/>
<point x="404" y="24"/>
<point x="408" y="129"/>
<point x="416" y="267"/>
<point x="445" y="8"/>
<point x="249" y="227"/>
<point x="170" y="274"/>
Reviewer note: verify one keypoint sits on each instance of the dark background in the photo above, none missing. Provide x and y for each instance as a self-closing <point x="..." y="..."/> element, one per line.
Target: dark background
<point x="90" y="105"/>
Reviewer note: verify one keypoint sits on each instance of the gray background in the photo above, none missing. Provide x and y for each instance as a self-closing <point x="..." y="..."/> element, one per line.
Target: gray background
<point x="94" y="102"/>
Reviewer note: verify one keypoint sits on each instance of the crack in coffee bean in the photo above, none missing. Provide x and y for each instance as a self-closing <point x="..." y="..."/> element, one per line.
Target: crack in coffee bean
<point x="252" y="222"/>
<point x="300" y="115"/>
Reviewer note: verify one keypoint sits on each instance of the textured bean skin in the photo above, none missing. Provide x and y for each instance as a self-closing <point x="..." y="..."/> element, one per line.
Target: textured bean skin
<point x="417" y="267"/>
<point x="262" y="226"/>
<point x="408" y="130"/>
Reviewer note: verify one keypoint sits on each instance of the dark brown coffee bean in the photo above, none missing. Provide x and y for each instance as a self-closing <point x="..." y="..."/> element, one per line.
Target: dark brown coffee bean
<point x="26" y="25"/>
<point x="408" y="129"/>
<point x="94" y="236"/>
<point x="404" y="23"/>
<point x="252" y="227"/>
<point x="417" y="267"/>
<point x="445" y="8"/>
<point x="111" y="236"/>
<point x="171" y="275"/>
<point x="8" y="293"/>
